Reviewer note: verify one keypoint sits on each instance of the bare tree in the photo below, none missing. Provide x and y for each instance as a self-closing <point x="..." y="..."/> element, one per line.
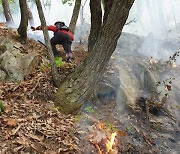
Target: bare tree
<point x="82" y="19"/>
<point x="96" y="22"/>
<point x="80" y="86"/>
<point x="30" y="15"/>
<point x="7" y="12"/>
<point x="22" y="29"/>
<point x="54" y="71"/>
<point x="75" y="15"/>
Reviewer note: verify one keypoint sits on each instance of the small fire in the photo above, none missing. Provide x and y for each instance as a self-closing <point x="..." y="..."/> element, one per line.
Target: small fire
<point x="100" y="125"/>
<point x="111" y="142"/>
<point x="152" y="61"/>
<point x="3" y="25"/>
<point x="174" y="65"/>
<point x="99" y="150"/>
<point x="103" y="140"/>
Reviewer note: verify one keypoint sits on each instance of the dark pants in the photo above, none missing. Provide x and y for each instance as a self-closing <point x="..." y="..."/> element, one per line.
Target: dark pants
<point x="62" y="39"/>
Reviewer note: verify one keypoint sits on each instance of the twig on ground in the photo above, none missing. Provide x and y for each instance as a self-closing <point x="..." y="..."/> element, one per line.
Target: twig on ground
<point x="38" y="81"/>
<point x="147" y="140"/>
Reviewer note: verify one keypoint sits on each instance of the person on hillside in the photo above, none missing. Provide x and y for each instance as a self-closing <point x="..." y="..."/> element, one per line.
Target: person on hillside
<point x="62" y="36"/>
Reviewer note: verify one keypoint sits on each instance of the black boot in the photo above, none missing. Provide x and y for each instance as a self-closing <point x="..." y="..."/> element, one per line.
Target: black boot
<point x="70" y="59"/>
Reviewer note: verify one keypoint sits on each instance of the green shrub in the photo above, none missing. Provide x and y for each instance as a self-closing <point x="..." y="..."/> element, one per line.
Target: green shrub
<point x="1" y="107"/>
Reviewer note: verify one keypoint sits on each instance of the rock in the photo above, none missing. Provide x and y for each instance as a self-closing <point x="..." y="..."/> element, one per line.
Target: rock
<point x="12" y="67"/>
<point x="109" y="84"/>
<point x="28" y="63"/>
<point x="3" y="75"/>
<point x="16" y="64"/>
<point x="2" y="49"/>
<point x="129" y="43"/>
<point x="106" y="91"/>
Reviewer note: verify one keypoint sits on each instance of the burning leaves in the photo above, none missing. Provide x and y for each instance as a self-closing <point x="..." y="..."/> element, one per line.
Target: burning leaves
<point x="161" y="65"/>
<point x="104" y="141"/>
<point x="111" y="142"/>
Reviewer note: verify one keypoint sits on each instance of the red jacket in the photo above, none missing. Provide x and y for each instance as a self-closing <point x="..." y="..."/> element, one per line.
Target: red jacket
<point x="53" y="28"/>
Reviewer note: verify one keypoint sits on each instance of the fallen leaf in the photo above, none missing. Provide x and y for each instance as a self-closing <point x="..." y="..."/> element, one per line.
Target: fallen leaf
<point x="22" y="141"/>
<point x="14" y="131"/>
<point x="35" y="137"/>
<point x="51" y="152"/>
<point x="7" y="109"/>
<point x="12" y="122"/>
<point x="121" y="133"/>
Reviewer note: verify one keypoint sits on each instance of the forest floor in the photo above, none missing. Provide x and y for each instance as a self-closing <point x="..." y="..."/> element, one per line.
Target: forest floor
<point x="31" y="124"/>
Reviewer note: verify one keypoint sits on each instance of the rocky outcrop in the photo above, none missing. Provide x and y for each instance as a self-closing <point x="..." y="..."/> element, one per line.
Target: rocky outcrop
<point x="14" y="65"/>
<point x="125" y="80"/>
<point x="129" y="43"/>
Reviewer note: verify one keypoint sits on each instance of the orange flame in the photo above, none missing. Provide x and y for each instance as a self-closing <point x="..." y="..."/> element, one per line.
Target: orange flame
<point x="100" y="125"/>
<point x="99" y="150"/>
<point x="103" y="141"/>
<point x="152" y="61"/>
<point x="174" y="65"/>
<point x="110" y="142"/>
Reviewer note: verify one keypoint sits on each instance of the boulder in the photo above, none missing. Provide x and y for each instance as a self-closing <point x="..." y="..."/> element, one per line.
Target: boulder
<point x="15" y="65"/>
<point x="135" y="80"/>
<point x="3" y="75"/>
<point x="28" y="63"/>
<point x="129" y="43"/>
<point x="12" y="66"/>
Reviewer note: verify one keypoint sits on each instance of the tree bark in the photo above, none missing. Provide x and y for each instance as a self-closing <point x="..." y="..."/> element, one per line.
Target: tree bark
<point x="96" y="22"/>
<point x="75" y="15"/>
<point x="22" y="29"/>
<point x="54" y="71"/>
<point x="107" y="7"/>
<point x="7" y="12"/>
<point x="30" y="16"/>
<point x="79" y="88"/>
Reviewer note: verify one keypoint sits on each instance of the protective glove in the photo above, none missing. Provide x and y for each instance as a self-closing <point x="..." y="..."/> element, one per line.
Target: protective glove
<point x="39" y="28"/>
<point x="33" y="28"/>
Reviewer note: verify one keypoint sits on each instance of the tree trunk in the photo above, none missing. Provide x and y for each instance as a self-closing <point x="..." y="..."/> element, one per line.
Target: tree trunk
<point x="7" y="12"/>
<point x="107" y="7"/>
<point x="81" y="17"/>
<point x="79" y="88"/>
<point x="30" y="16"/>
<point x="75" y="15"/>
<point x="54" y="71"/>
<point x="22" y="29"/>
<point x="96" y="22"/>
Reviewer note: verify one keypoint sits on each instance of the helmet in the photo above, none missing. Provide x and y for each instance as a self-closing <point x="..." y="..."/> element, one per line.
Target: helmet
<point x="59" y="23"/>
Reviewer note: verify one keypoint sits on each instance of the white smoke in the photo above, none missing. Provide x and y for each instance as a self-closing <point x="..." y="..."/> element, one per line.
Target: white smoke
<point x="159" y="22"/>
<point x="154" y="16"/>
<point x="155" y="19"/>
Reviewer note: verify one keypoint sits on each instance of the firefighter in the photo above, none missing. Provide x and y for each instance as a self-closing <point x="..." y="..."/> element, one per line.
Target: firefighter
<point x="62" y="36"/>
